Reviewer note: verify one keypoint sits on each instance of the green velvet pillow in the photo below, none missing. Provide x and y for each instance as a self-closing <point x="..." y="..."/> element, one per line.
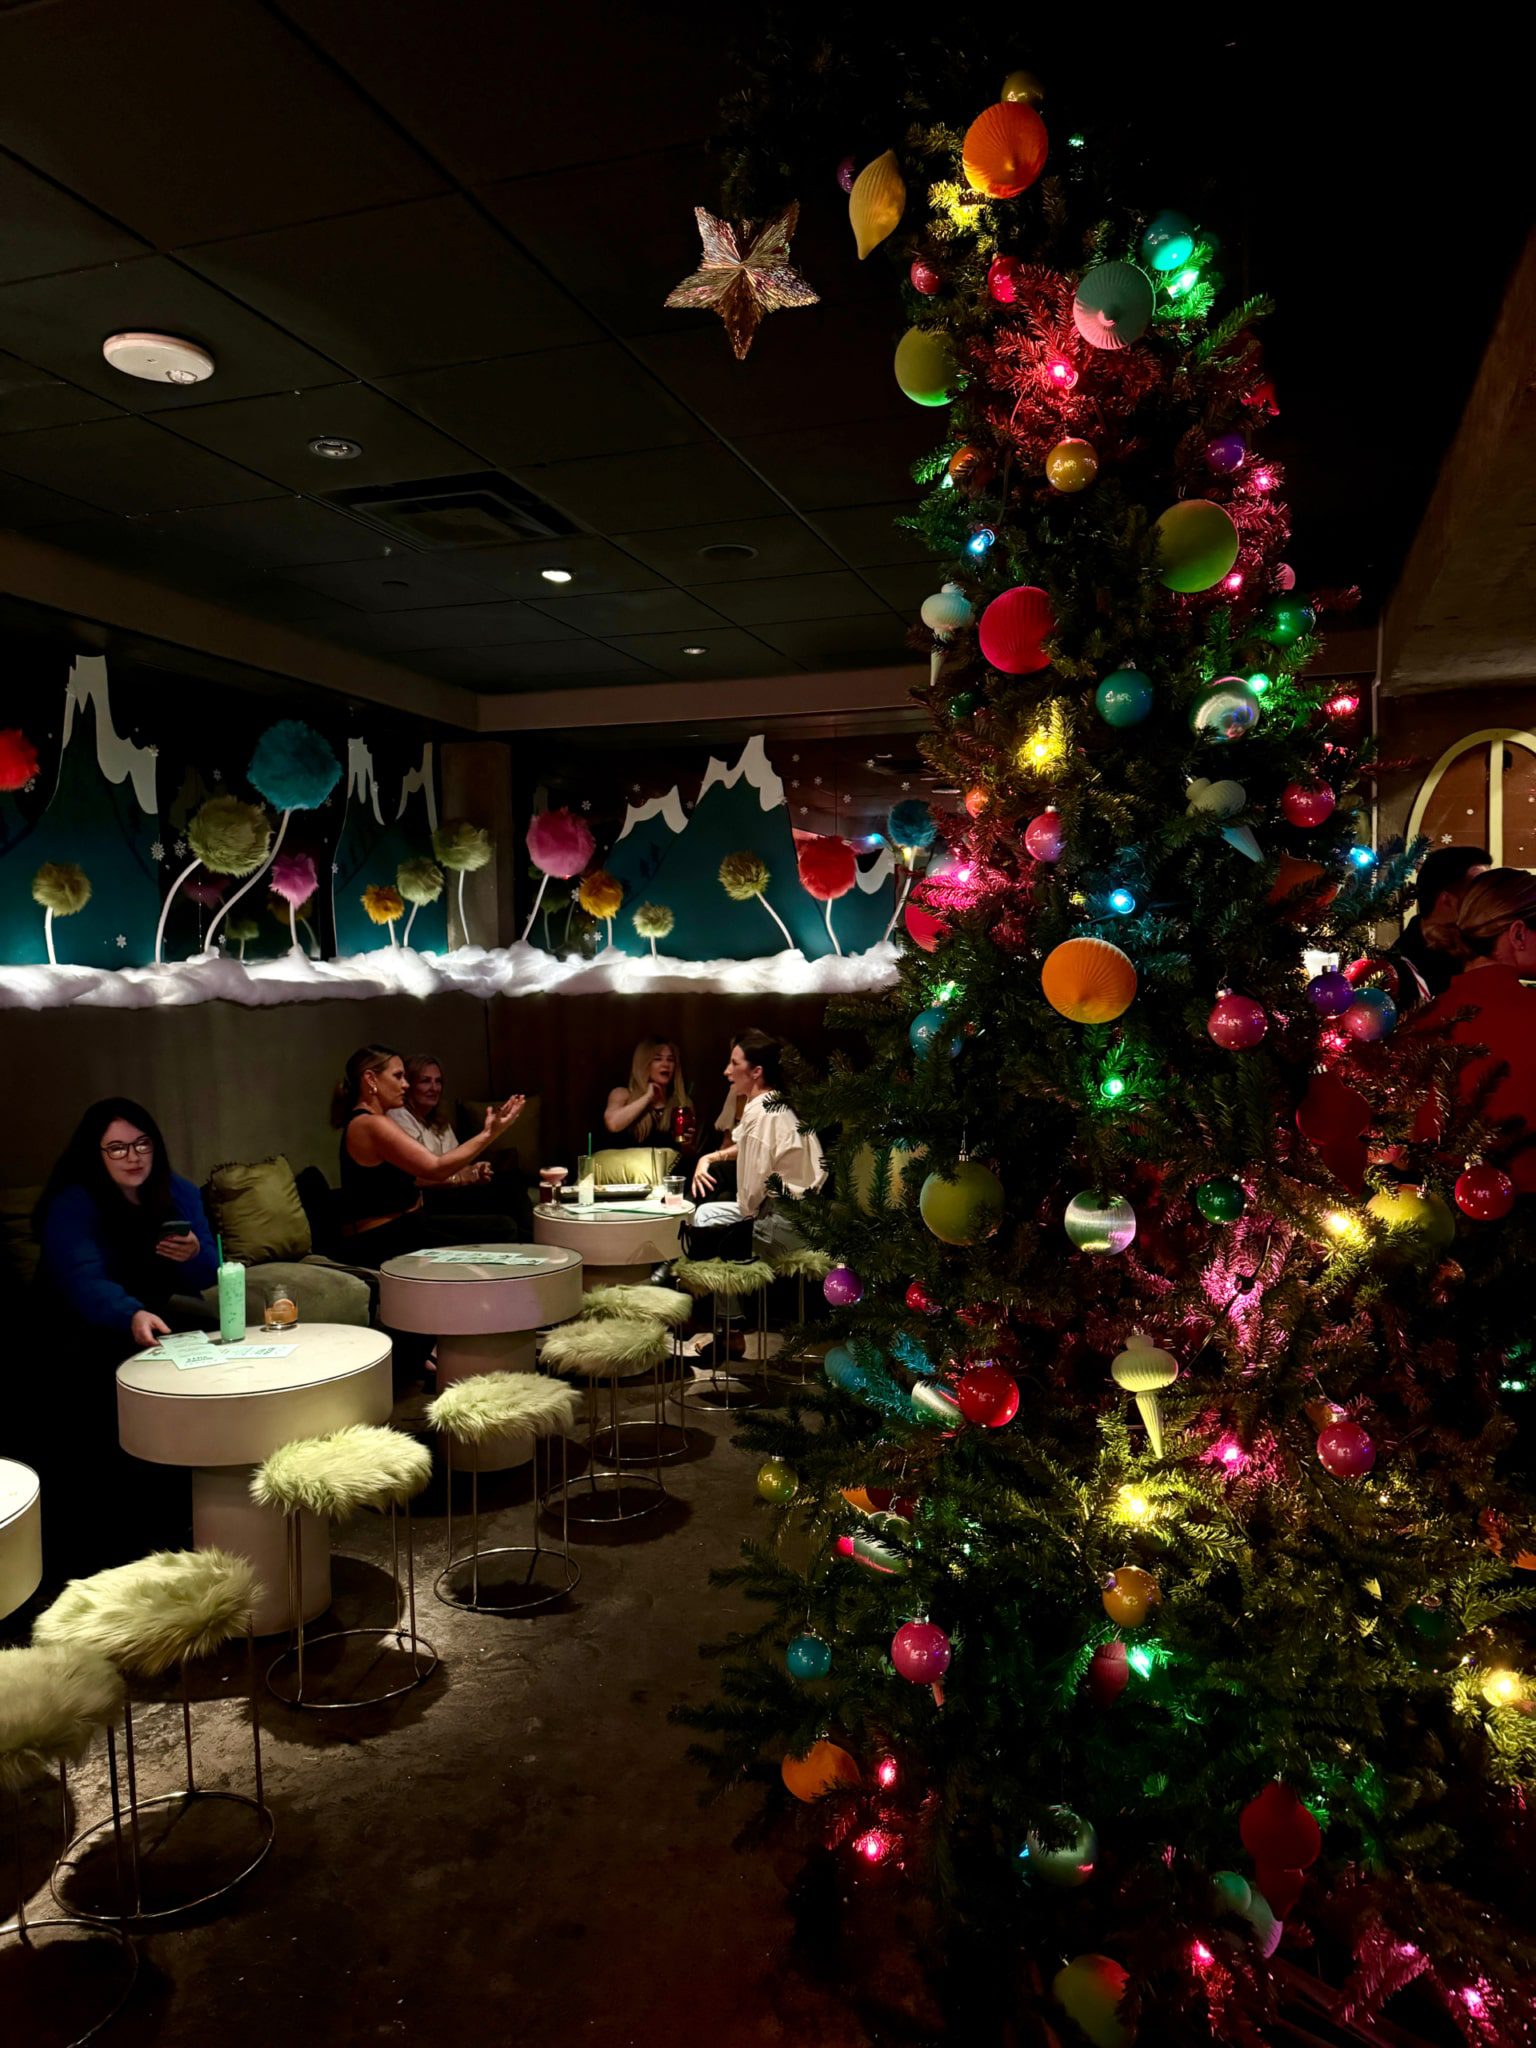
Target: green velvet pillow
<point x="20" y="1251"/>
<point x="255" y="1208"/>
<point x="636" y="1166"/>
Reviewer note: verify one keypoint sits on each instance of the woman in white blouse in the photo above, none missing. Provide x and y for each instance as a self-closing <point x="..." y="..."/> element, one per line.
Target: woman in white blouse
<point x="422" y="1117"/>
<point x="766" y="1143"/>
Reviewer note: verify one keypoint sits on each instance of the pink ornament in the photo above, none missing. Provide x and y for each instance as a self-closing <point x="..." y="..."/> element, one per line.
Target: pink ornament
<point x="1308" y="804"/>
<point x="923" y="928"/>
<point x="293" y="876"/>
<point x="920" y="1651"/>
<point x="1042" y="835"/>
<point x="1109" y="1673"/>
<point x="843" y="1288"/>
<point x="845" y="172"/>
<point x="1004" y="276"/>
<point x="1346" y="1451"/>
<point x="1014" y="628"/>
<point x="1284" y="577"/>
<point x="924" y="278"/>
<point x="559" y="844"/>
<point x="1237" y="1023"/>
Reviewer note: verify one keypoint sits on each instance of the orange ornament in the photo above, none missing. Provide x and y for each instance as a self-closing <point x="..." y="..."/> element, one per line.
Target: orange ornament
<point x="968" y="469"/>
<point x="1004" y="149"/>
<point x="1290" y="876"/>
<point x="976" y="801"/>
<point x="1129" y="1595"/>
<point x="822" y="1769"/>
<point x="1088" y="980"/>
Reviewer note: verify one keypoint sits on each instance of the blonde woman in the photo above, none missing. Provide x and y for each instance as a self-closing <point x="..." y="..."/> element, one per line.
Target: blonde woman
<point x="424" y="1117"/>
<point x="646" y="1111"/>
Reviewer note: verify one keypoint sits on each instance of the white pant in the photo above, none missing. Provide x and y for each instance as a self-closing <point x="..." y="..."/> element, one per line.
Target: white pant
<point x="772" y="1230"/>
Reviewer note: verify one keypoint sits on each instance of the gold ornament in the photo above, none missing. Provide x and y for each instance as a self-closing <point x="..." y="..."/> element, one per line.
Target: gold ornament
<point x="876" y="202"/>
<point x="1072" y="465"/>
<point x="741" y="289"/>
<point x="1023" y="85"/>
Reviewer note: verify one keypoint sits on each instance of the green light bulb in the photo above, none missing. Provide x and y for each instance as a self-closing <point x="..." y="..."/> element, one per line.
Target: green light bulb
<point x="1112" y="1087"/>
<point x="1258" y="682"/>
<point x="1140" y="1660"/>
<point x="946" y="992"/>
<point x="1184" y="282"/>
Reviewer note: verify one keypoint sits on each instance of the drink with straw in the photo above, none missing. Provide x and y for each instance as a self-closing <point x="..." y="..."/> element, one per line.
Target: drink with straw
<point x="586" y="1177"/>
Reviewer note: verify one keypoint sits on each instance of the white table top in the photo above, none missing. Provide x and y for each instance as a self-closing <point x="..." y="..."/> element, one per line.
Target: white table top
<point x="638" y="1211"/>
<point x="322" y="1352"/>
<point x="536" y="1262"/>
<point x="19" y="1488"/>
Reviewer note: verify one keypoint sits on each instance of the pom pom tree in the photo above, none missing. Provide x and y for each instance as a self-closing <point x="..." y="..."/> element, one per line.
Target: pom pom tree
<point x="1363" y="1642"/>
<point x="295" y="769"/>
<point x="653" y="921"/>
<point x="62" y="889"/>
<point x="385" y="906"/>
<point x="827" y="870"/>
<point x="559" y="845"/>
<point x="911" y="828"/>
<point x="226" y="836"/>
<point x="293" y="880"/>
<point x="420" y="882"/>
<point x="744" y="878"/>
<point x="18" y="759"/>
<point x="464" y="849"/>
<point x="601" y="896"/>
<point x="241" y="932"/>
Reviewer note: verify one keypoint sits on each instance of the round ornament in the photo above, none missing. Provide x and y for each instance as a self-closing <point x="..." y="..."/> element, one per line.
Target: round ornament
<point x="924" y="278"/>
<point x="1236" y="1023"/>
<point x="1100" y="1223"/>
<point x="1308" y="804"/>
<point x="947" y="611"/>
<point x="1071" y="465"/>
<point x="822" y="1769"/>
<point x="1221" y="1201"/>
<point x="1129" y="1595"/>
<point x="988" y="1396"/>
<point x="964" y="1208"/>
<point x="1168" y="241"/>
<point x="921" y="1652"/>
<point x="1113" y="308"/>
<point x="1330" y="993"/>
<point x="921" y="1302"/>
<point x="1414" y="1213"/>
<point x="1004" y="150"/>
<point x="1284" y="623"/>
<point x="925" y="369"/>
<point x="1225" y="453"/>
<point x="923" y="928"/>
<point x="1484" y="1193"/>
<point x="1088" y="980"/>
<point x="1023" y="85"/>
<point x="976" y="801"/>
<point x="1225" y="711"/>
<point x="1042" y="836"/>
<point x="1005" y="278"/>
<point x="845" y="171"/>
<point x="925" y="1031"/>
<point x="1073" y="1863"/>
<point x="1014" y="628"/>
<point x="1367" y="972"/>
<point x="1196" y="545"/>
<point x="1109" y="1673"/>
<point x="968" y="469"/>
<point x="843" y="1288"/>
<point x="961" y="705"/>
<point x="808" y="1657"/>
<point x="1278" y="1830"/>
<point x="1089" y="1990"/>
<point x="1223" y="799"/>
<point x="1124" y="697"/>
<point x="1371" y="1015"/>
<point x="776" y="1481"/>
<point x="1345" y="1450"/>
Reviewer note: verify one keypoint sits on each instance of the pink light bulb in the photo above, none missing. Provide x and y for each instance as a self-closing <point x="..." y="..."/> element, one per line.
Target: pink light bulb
<point x="845" y="1546"/>
<point x="1263" y="479"/>
<point x="1232" y="584"/>
<point x="874" y="1845"/>
<point x="1061" y="373"/>
<point x="1200" y="1955"/>
<point x="885" y="1772"/>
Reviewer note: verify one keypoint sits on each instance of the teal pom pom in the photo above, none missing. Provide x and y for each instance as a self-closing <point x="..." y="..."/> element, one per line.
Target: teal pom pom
<point x="293" y="767"/>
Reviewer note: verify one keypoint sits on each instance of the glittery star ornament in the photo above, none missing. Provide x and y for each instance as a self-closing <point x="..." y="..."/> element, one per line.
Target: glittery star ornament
<point x="741" y="289"/>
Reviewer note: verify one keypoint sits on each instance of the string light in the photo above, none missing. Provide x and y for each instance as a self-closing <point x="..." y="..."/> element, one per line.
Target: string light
<point x="980" y="543"/>
<point x="1132" y="1505"/>
<point x="874" y="1845"/>
<point x="1185" y="282"/>
<point x="1345" y="705"/>
<point x="1228" y="1453"/>
<point x="1112" y="1087"/>
<point x="1346" y="1228"/>
<point x="1502" y="1687"/>
<point x="946" y="991"/>
<point x="885" y="1772"/>
<point x="1232" y="583"/>
<point x="1200" y="1955"/>
<point x="1121" y="902"/>
<point x="1258" y="682"/>
<point x="1061" y="373"/>
<point x="1362" y="857"/>
<point x="1140" y="1659"/>
<point x="1264" y="479"/>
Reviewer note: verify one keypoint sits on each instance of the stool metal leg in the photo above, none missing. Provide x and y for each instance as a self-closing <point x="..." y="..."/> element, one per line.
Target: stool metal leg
<point x="25" y="1929"/>
<point x="599" y="1501"/>
<point x="423" y="1656"/>
<point x="569" y="1572"/>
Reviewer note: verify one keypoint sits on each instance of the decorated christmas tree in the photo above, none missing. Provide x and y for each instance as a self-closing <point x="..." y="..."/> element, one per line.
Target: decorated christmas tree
<point x="1145" y="1614"/>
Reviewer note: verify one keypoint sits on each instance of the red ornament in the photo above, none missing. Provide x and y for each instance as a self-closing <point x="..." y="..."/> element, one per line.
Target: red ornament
<point x="988" y="1396"/>
<point x="1307" y="804"/>
<point x="920" y="1651"/>
<point x="18" y="759"/>
<point x="1484" y="1193"/>
<point x="1013" y="629"/>
<point x="1345" y="1450"/>
<point x="1280" y="1886"/>
<point x="1011" y="932"/>
<point x="1005" y="274"/>
<point x="921" y="1302"/>
<point x="1368" y="973"/>
<point x="1042" y="836"/>
<point x="923" y="928"/>
<point x="1237" y="1023"/>
<point x="1277" y="1829"/>
<point x="969" y="470"/>
<point x="827" y="867"/>
<point x="1108" y="1673"/>
<point x="924" y="278"/>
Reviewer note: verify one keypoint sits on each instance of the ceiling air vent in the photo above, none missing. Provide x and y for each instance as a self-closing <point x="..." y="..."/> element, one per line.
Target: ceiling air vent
<point x="456" y="511"/>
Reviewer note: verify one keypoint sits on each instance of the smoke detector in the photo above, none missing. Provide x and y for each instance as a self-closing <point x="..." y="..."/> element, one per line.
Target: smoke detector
<point x="158" y="358"/>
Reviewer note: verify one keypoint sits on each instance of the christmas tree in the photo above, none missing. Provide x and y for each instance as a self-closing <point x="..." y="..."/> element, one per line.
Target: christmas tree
<point x="1143" y="1583"/>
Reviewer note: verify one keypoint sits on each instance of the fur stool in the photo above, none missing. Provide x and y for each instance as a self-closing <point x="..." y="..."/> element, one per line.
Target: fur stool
<point x="800" y="1264"/>
<point x="167" y="1610"/>
<point x="361" y="1466"/>
<point x="608" y="1349"/>
<point x="674" y="1310"/>
<point x="726" y="1282"/>
<point x="522" y="1410"/>
<point x="52" y="1701"/>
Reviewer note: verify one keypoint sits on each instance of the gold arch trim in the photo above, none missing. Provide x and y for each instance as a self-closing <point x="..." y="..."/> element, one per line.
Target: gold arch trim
<point x="1495" y="738"/>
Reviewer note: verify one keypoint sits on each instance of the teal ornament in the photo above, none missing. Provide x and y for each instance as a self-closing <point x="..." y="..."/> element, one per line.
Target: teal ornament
<point x="1113" y="306"/>
<point x="1233" y="1893"/>
<point x="1100" y="1223"/>
<point x="1286" y="621"/>
<point x="844" y="1371"/>
<point x="925" y="1031"/>
<point x="808" y="1657"/>
<point x="1220" y="1201"/>
<point x="1169" y="241"/>
<point x="1073" y="1863"/>
<point x="1124" y="698"/>
<point x="1226" y="711"/>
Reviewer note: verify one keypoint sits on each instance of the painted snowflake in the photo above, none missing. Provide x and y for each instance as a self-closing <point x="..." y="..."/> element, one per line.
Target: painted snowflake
<point x="157" y="851"/>
<point x="121" y="942"/>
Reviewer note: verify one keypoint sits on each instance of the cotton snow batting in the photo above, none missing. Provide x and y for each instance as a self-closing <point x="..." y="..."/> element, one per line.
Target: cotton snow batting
<point x="293" y="767"/>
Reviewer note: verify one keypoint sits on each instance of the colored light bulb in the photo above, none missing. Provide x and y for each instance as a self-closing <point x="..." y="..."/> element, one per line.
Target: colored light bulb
<point x="980" y="543"/>
<point x="1258" y="682"/>
<point x="1061" y="373"/>
<point x="1112" y="1087"/>
<point x="1139" y="1657"/>
<point x="1121" y="902"/>
<point x="1362" y="857"/>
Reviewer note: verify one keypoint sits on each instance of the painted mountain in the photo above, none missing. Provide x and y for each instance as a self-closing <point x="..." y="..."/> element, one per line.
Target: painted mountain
<point x="103" y="816"/>
<point x="371" y="850"/>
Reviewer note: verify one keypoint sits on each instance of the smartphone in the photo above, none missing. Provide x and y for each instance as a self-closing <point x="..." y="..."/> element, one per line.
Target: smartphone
<point x="176" y="1226"/>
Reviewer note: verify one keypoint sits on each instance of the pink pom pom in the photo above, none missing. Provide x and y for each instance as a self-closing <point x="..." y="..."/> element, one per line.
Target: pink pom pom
<point x="827" y="868"/>
<point x="560" y="844"/>
<point x="293" y="877"/>
<point x="18" y="759"/>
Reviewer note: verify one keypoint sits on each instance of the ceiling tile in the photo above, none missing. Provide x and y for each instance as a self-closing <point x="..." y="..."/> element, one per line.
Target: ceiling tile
<point x="24" y="506"/>
<point x="817" y="366"/>
<point x="61" y="322"/>
<point x="33" y="398"/>
<point x="905" y="586"/>
<point x="859" y="463"/>
<point x="46" y="229"/>
<point x="868" y="535"/>
<point x="399" y="288"/>
<point x="274" y="533"/>
<point x="843" y="643"/>
<point x="180" y="157"/>
<point x="456" y="625"/>
<point x="272" y="435"/>
<point x="403" y="581"/>
<point x="639" y="491"/>
<point x="555" y="406"/>
<point x="780" y="547"/>
<point x="595" y="566"/>
<point x="537" y="666"/>
<point x="126" y="465"/>
<point x="793" y="597"/>
<point x="728" y="651"/>
<point x="130" y="544"/>
<point x="659" y="611"/>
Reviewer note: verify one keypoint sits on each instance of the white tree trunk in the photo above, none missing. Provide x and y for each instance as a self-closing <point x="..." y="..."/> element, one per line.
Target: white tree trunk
<point x="251" y="880"/>
<point x="832" y="935"/>
<point x="528" y="927"/>
<point x="165" y="908"/>
<point x="463" y="921"/>
<point x="783" y="927"/>
<point x="53" y="958"/>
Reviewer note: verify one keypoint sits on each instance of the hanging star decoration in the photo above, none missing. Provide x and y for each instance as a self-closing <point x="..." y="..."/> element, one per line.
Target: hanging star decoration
<point x="741" y="289"/>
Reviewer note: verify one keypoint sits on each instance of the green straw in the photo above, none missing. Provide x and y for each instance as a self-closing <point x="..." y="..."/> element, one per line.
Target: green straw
<point x="219" y="1241"/>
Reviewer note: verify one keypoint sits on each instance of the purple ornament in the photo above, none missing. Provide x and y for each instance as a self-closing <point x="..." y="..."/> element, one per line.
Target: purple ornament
<point x="1330" y="993"/>
<point x="844" y="1289"/>
<point x="1225" y="452"/>
<point x="920" y="1652"/>
<point x="845" y="174"/>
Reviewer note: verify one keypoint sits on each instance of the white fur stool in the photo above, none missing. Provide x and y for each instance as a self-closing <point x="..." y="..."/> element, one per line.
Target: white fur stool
<point x="606" y="1350"/>
<point x="520" y="1411"/>
<point x="668" y="1441"/>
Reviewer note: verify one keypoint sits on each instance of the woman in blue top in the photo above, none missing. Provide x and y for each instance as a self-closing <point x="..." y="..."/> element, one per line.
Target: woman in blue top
<point x="126" y="1245"/>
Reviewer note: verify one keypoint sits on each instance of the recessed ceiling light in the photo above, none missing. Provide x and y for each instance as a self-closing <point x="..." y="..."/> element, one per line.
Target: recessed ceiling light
<point x="694" y="650"/>
<point x="556" y="575"/>
<point x="158" y="358"/>
<point x="335" y="447"/>
<point x="727" y="551"/>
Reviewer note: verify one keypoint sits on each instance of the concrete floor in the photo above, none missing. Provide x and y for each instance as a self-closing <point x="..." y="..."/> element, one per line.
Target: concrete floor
<point x="513" y="1853"/>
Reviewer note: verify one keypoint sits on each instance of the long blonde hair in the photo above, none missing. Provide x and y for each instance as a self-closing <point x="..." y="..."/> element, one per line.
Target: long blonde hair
<point x="640" y="1084"/>
<point x="415" y="1066"/>
<point x="1495" y="901"/>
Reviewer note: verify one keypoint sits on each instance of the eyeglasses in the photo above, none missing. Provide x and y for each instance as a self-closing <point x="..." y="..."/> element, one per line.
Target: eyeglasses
<point x="119" y="1149"/>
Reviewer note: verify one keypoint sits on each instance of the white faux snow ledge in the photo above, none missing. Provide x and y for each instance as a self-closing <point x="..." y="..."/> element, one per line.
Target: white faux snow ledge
<point x="511" y="971"/>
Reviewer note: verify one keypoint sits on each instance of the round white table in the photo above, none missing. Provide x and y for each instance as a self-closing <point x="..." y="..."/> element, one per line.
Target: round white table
<point x="222" y="1420"/>
<point x="21" y="1535"/>
<point x="619" y="1242"/>
<point x="484" y="1312"/>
